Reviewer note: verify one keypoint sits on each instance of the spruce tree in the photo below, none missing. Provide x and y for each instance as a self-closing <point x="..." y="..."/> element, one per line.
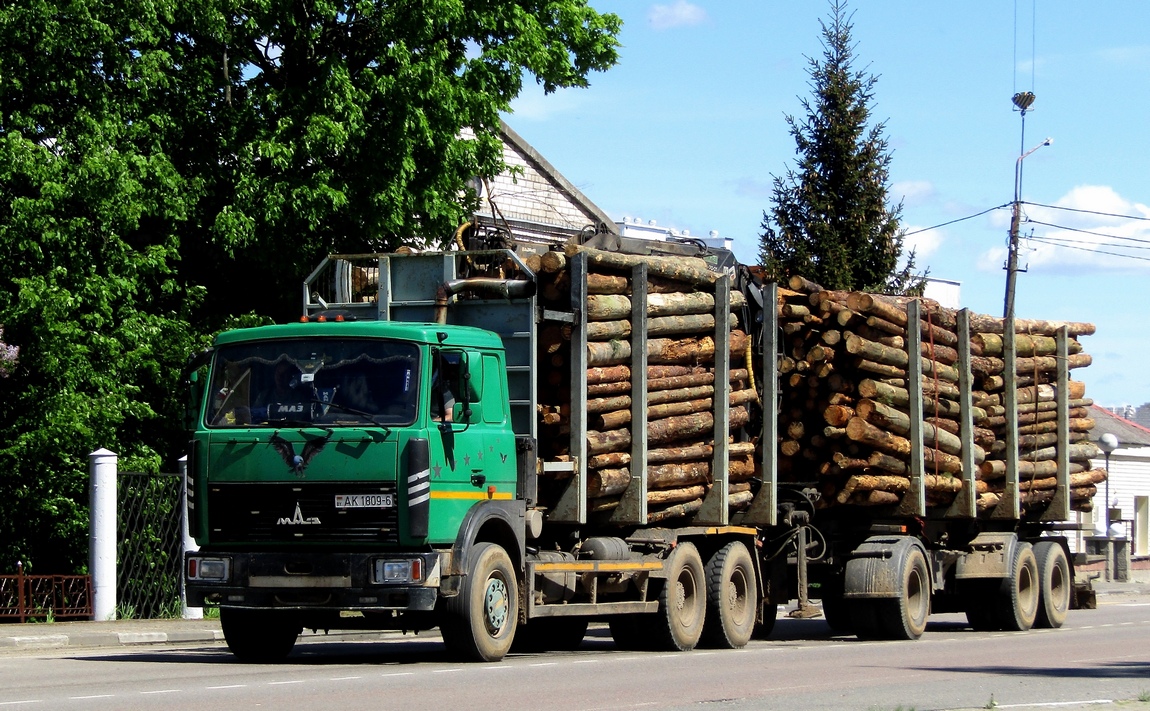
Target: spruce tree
<point x="830" y="219"/>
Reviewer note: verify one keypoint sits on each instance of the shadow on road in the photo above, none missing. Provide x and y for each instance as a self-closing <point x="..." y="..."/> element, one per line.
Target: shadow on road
<point x="1109" y="670"/>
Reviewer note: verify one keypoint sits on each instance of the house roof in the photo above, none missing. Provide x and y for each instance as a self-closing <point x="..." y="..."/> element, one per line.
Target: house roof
<point x="556" y="178"/>
<point x="1129" y="434"/>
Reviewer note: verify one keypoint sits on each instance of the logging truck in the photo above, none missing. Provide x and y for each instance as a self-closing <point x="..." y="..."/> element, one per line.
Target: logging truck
<point x="507" y="446"/>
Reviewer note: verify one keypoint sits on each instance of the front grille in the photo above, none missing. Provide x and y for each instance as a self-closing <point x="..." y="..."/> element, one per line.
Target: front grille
<point x="298" y="511"/>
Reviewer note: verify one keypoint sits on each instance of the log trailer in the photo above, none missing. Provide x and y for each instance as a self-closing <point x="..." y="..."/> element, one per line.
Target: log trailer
<point x="456" y="440"/>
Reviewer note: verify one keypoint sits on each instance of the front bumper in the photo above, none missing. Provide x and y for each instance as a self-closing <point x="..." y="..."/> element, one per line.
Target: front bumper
<point x="314" y="581"/>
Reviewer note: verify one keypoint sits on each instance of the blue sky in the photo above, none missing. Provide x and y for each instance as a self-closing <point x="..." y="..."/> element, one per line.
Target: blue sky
<point x="689" y="128"/>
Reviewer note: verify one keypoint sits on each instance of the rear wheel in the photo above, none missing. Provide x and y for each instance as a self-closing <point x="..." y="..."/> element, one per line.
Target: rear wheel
<point x="479" y="623"/>
<point x="682" y="600"/>
<point x="1054" y="584"/>
<point x="1011" y="603"/>
<point x="732" y="593"/>
<point x="1018" y="595"/>
<point x="904" y="617"/>
<point x="259" y="636"/>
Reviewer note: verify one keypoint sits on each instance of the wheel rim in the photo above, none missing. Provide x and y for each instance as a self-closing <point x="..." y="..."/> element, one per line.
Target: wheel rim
<point x="1027" y="590"/>
<point x="1059" y="590"/>
<point x="916" y="599"/>
<point x="495" y="602"/>
<point x="737" y="594"/>
<point x="686" y="591"/>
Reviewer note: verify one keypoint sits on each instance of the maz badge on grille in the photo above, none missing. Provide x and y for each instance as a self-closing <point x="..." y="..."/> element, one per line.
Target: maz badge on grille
<point x="297" y="519"/>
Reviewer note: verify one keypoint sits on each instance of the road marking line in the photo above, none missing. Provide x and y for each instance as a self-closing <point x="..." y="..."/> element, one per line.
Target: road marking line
<point x="281" y="683"/>
<point x="227" y="686"/>
<point x="14" y="703"/>
<point x="344" y="678"/>
<point x="162" y="691"/>
<point x="544" y="664"/>
<point x="93" y="696"/>
<point x="399" y="674"/>
<point x="497" y="667"/>
<point x="445" y="671"/>
<point x="1053" y="704"/>
<point x="585" y="661"/>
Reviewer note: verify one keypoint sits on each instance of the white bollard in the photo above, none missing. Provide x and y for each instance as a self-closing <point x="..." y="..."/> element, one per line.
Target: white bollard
<point x="188" y="613"/>
<point x="102" y="469"/>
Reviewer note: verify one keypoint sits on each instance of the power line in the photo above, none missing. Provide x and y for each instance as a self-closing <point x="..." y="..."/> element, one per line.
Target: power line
<point x="961" y="219"/>
<point x="1055" y="242"/>
<point x="1096" y="234"/>
<point x="1088" y="212"/>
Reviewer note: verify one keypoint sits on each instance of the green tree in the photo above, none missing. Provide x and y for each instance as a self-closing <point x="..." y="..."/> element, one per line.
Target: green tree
<point x="830" y="219"/>
<point x="336" y="125"/>
<point x="167" y="167"/>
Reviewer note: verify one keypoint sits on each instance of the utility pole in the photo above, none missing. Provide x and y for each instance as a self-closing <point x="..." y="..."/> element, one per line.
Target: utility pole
<point x="1022" y="100"/>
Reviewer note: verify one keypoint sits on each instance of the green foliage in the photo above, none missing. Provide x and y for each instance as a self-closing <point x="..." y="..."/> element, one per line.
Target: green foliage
<point x="169" y="168"/>
<point x="830" y="220"/>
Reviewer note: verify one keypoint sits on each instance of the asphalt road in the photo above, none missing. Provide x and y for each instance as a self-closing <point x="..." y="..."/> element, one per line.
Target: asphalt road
<point x="1100" y="659"/>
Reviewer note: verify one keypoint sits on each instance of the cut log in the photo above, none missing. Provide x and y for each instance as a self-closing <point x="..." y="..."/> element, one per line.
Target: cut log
<point x="878" y="353"/>
<point x="888" y="418"/>
<point x="1024" y="344"/>
<point x="980" y="323"/>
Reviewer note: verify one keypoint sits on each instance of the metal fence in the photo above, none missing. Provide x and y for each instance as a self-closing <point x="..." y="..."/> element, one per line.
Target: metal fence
<point x="45" y="597"/>
<point x="149" y="545"/>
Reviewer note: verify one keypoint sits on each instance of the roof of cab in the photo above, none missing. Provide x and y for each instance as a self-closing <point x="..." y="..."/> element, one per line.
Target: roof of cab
<point x="458" y="336"/>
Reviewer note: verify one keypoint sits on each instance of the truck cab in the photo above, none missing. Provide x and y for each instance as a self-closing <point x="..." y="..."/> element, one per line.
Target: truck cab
<point x="332" y="467"/>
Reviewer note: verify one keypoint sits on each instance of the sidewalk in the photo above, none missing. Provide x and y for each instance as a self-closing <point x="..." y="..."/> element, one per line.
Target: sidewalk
<point x="135" y="633"/>
<point x="142" y="633"/>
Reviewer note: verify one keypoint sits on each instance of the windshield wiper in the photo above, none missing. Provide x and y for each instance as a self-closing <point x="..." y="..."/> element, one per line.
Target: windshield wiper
<point x="287" y="422"/>
<point x="350" y="410"/>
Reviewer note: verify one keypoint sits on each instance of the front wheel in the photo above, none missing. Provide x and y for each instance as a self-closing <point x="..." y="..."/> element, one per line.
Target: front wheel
<point x="259" y="636"/>
<point x="479" y="623"/>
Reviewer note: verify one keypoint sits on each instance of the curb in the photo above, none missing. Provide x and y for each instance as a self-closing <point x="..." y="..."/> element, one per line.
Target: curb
<point x="108" y="639"/>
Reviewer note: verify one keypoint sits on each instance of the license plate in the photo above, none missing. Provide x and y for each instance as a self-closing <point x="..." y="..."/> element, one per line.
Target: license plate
<point x="364" y="501"/>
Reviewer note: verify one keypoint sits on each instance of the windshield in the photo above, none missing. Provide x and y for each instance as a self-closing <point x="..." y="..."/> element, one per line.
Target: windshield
<point x="299" y="382"/>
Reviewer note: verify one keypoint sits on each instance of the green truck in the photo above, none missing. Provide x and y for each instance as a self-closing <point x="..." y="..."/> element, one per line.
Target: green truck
<point x="426" y="448"/>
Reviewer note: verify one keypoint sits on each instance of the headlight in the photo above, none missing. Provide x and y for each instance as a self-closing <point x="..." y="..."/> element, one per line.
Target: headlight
<point x="398" y="571"/>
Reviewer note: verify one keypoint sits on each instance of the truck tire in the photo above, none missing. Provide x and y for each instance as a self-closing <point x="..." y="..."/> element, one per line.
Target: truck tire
<point x="682" y="601"/>
<point x="904" y="617"/>
<point x="732" y="594"/>
<point x="479" y="623"/>
<point x="259" y="636"/>
<point x="1017" y="599"/>
<point x="1011" y="603"/>
<point x="1054" y="584"/>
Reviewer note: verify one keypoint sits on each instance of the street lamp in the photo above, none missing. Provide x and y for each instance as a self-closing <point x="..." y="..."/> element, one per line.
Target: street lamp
<point x="1022" y="102"/>
<point x="1108" y="443"/>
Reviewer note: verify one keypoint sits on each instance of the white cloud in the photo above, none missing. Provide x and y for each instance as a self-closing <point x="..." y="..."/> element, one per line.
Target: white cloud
<point x="924" y="244"/>
<point x="1083" y="231"/>
<point x="679" y="14"/>
<point x="913" y="192"/>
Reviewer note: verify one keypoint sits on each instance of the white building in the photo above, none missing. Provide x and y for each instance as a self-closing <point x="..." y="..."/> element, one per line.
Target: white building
<point x="1129" y="483"/>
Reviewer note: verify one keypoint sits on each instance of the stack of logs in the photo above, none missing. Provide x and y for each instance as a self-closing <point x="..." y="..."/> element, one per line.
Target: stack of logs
<point x="680" y="383"/>
<point x="844" y="402"/>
